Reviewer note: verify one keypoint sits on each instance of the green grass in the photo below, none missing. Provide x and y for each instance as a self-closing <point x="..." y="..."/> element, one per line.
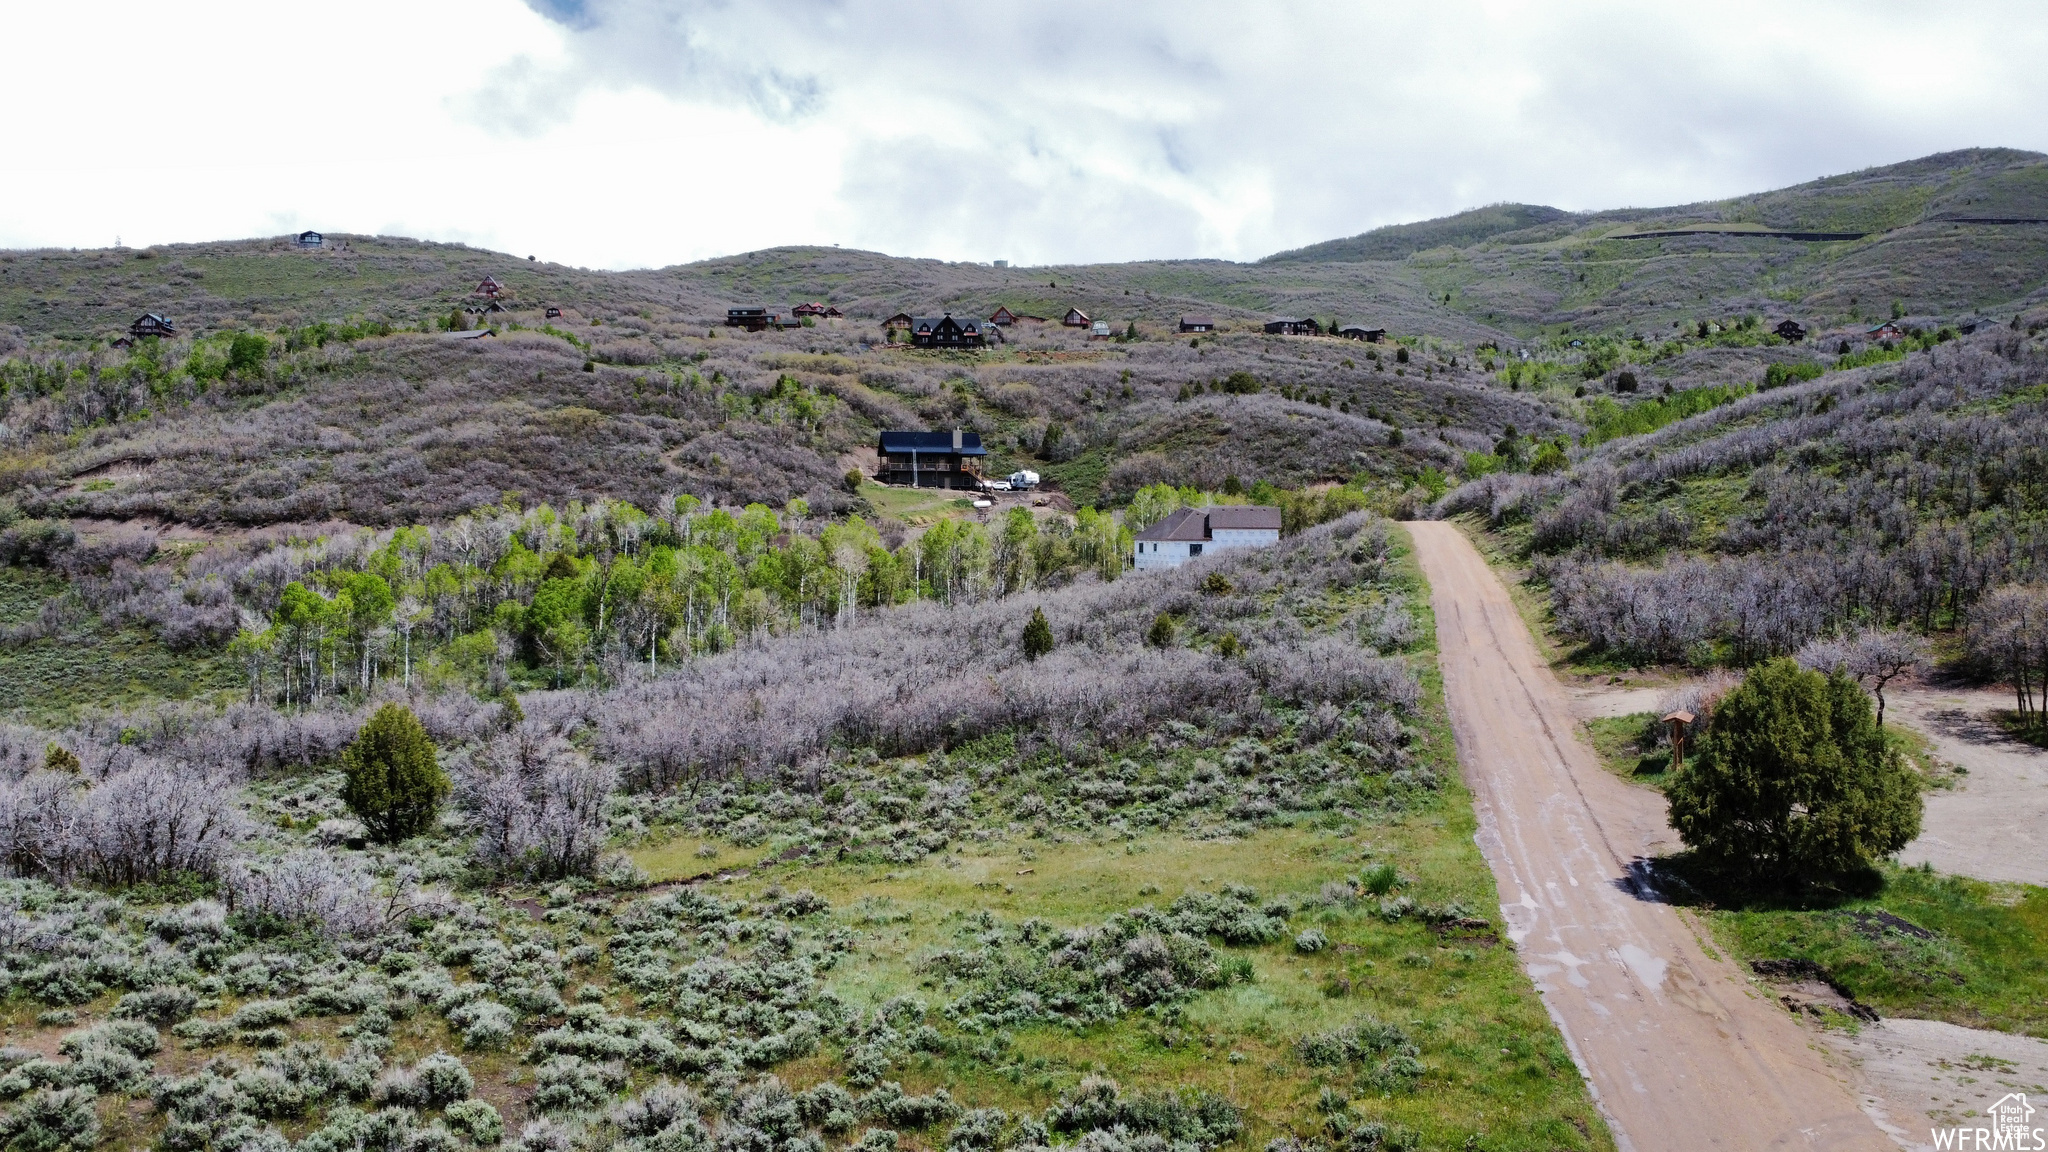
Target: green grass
<point x="53" y="680"/>
<point x="1610" y="420"/>
<point x="1984" y="966"/>
<point x="1614" y="739"/>
<point x="915" y="505"/>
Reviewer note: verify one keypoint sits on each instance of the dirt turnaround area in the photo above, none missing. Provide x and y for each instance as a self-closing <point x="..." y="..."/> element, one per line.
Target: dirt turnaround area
<point x="1681" y="1050"/>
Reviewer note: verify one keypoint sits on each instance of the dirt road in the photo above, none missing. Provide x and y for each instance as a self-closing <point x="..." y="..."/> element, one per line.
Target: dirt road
<point x="1682" y="1052"/>
<point x="1994" y="824"/>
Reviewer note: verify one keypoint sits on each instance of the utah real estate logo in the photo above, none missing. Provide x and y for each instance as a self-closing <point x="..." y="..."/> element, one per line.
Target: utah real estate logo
<point x="2011" y="1128"/>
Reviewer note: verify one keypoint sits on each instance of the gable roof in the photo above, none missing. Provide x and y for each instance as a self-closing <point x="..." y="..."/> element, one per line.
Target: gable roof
<point x="902" y="441"/>
<point x="1187" y="524"/>
<point x="1244" y="516"/>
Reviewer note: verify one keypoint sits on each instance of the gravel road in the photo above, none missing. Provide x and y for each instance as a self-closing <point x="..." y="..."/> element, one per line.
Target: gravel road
<point x="1681" y="1050"/>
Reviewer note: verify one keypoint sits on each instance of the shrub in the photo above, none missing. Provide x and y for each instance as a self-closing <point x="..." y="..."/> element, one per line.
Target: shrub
<point x="573" y="1084"/>
<point x="1311" y="940"/>
<point x="1794" y="779"/>
<point x="52" y="1120"/>
<point x="1038" y="639"/>
<point x="1380" y="879"/>
<point x="395" y="786"/>
<point x="164" y="1004"/>
<point x="477" y="1120"/>
<point x="486" y="1025"/>
<point x="1161" y="634"/>
<point x="443" y="1080"/>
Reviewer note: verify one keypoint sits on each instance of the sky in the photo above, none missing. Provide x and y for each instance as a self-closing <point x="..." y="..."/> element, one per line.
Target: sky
<point x="643" y="133"/>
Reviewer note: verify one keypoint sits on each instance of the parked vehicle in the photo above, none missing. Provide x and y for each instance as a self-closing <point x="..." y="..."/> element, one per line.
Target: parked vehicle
<point x="995" y="486"/>
<point x="1023" y="480"/>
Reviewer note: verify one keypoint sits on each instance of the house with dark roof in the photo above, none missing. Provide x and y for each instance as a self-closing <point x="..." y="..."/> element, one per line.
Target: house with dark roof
<point x="310" y="239"/>
<point x="1003" y="317"/>
<point x="899" y="320"/>
<point x="1361" y="332"/>
<point x="1187" y="533"/>
<point x="1886" y="331"/>
<point x="1197" y="324"/>
<point x="489" y="287"/>
<point x="1075" y="318"/>
<point x="151" y="324"/>
<point x="1790" y="331"/>
<point x="930" y="459"/>
<point x="1293" y="326"/>
<point x="946" y="332"/>
<point x="753" y="319"/>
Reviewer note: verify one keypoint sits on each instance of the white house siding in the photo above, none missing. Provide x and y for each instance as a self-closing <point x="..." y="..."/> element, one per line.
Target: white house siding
<point x="1161" y="554"/>
<point x="1223" y="538"/>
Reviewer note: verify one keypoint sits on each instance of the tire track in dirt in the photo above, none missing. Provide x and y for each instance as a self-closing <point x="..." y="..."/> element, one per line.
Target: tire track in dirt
<point x="1681" y="1051"/>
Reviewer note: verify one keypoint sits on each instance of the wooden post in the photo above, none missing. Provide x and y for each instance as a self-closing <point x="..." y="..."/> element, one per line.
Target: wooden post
<point x="1679" y="722"/>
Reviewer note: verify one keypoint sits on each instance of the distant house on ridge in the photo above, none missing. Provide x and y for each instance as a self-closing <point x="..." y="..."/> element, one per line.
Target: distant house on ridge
<point x="1003" y="317"/>
<point x="946" y="332"/>
<point x="1186" y="533"/>
<point x="151" y="324"/>
<point x="310" y="239"/>
<point x="753" y="319"/>
<point x="1075" y="318"/>
<point x="1886" y="331"/>
<point x="1361" y="332"/>
<point x="1290" y="326"/>
<point x="899" y="320"/>
<point x="1197" y="324"/>
<point x="490" y="287"/>
<point x="930" y="459"/>
<point x="1790" y="331"/>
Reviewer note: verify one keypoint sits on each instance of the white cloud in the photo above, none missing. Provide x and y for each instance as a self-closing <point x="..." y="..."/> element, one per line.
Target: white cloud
<point x="625" y="133"/>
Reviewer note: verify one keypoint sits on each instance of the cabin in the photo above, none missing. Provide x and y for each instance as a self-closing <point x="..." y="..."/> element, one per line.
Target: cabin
<point x="1290" y="326"/>
<point x="553" y="314"/>
<point x="813" y="308"/>
<point x="1790" y="331"/>
<point x="469" y="334"/>
<point x="1361" y="332"/>
<point x="151" y="324"/>
<point x="788" y="319"/>
<point x="899" y="320"/>
<point x="1003" y="317"/>
<point x="122" y="342"/>
<point x="490" y="287"/>
<point x="310" y="239"/>
<point x="1188" y="533"/>
<point x="1197" y="324"/>
<point x="1075" y="318"/>
<point x="930" y="459"/>
<point x="946" y="332"/>
<point x="1886" y="331"/>
<point x="752" y="319"/>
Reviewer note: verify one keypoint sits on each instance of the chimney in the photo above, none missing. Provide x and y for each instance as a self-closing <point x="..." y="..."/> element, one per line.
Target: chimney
<point x="958" y="440"/>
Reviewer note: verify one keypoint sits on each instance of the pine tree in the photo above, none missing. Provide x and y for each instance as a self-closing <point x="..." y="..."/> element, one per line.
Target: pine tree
<point x="1038" y="639"/>
<point x="1160" y="635"/>
<point x="394" y="784"/>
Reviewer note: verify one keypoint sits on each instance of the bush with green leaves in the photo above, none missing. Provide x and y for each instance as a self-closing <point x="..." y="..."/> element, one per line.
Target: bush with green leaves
<point x="1794" y="781"/>
<point x="52" y="1120"/>
<point x="395" y="783"/>
<point x="1038" y="640"/>
<point x="477" y="1120"/>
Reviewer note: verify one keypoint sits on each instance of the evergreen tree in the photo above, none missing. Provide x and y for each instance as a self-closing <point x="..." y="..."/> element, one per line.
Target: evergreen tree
<point x="1038" y="639"/>
<point x="394" y="784"/>
<point x="1160" y="635"/>
<point x="1794" y="778"/>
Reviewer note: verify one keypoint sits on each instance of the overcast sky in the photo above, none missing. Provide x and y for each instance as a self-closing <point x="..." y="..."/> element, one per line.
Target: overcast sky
<point x="633" y="133"/>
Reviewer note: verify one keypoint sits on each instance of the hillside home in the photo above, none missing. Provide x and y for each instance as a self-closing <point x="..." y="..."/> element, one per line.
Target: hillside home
<point x="1361" y="332"/>
<point x="1790" y="331"/>
<point x="311" y="240"/>
<point x="1003" y="317"/>
<point x="750" y="318"/>
<point x="553" y="314"/>
<point x="1197" y="324"/>
<point x="1190" y="532"/>
<point x="1075" y="318"/>
<point x="946" y="332"/>
<point x="814" y="308"/>
<point x="1886" y="331"/>
<point x="490" y="287"/>
<point x="1289" y="326"/>
<point x="152" y="324"/>
<point x="930" y="459"/>
<point x="899" y="320"/>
